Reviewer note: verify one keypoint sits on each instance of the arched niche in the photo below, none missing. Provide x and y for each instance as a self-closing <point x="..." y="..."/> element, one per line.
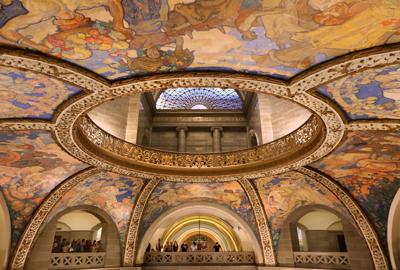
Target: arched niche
<point x="245" y="235"/>
<point x="40" y="257"/>
<point x="358" y="252"/>
<point x="393" y="232"/>
<point x="5" y="233"/>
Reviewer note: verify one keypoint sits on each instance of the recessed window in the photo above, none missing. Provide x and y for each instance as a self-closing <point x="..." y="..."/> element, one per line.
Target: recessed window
<point x="199" y="107"/>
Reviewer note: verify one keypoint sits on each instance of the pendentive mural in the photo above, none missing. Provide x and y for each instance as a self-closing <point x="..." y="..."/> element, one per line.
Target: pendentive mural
<point x="170" y="194"/>
<point x="28" y="94"/>
<point x="368" y="165"/>
<point x="115" y="194"/>
<point x="122" y="38"/>
<point x="371" y="94"/>
<point x="282" y="194"/>
<point x="31" y="165"/>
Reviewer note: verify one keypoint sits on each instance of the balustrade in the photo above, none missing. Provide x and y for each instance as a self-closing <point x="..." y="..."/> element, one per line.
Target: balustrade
<point x="203" y="258"/>
<point x="76" y="260"/>
<point x="338" y="259"/>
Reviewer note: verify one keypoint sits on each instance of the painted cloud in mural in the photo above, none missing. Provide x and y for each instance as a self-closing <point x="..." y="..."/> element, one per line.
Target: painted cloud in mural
<point x="168" y="195"/>
<point x="28" y="94"/>
<point x="31" y="165"/>
<point x="370" y="94"/>
<point x="110" y="192"/>
<point x="120" y="38"/>
<point x="283" y="194"/>
<point x="368" y="165"/>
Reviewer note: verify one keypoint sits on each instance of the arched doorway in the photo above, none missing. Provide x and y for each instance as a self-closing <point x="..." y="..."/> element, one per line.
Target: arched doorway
<point x="5" y="233"/>
<point x="318" y="236"/>
<point x="219" y="224"/>
<point x="76" y="238"/>
<point x="393" y="232"/>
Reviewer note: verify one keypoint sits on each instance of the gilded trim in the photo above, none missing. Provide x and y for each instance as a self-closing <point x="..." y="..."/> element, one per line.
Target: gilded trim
<point x="131" y="241"/>
<point x="25" y="124"/>
<point x="375" y="125"/>
<point x="262" y="222"/>
<point x="28" y="238"/>
<point x="367" y="230"/>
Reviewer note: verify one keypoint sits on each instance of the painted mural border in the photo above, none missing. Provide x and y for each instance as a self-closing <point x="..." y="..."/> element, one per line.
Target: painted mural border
<point x="264" y="229"/>
<point x="131" y="241"/>
<point x="29" y="235"/>
<point x="364" y="225"/>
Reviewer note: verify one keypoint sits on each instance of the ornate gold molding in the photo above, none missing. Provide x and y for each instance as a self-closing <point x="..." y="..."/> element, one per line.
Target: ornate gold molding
<point x="262" y="222"/>
<point x="370" y="236"/>
<point x="100" y="90"/>
<point x="131" y="241"/>
<point x="101" y="145"/>
<point x="27" y="239"/>
<point x="25" y="124"/>
<point x="374" y="125"/>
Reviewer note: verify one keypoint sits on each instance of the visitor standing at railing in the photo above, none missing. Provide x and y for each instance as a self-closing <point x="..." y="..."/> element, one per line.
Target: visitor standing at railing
<point x="217" y="247"/>
<point x="193" y="247"/>
<point x="184" y="247"/>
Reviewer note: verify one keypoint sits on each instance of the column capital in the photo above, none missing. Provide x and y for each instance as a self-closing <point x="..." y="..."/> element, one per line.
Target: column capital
<point x="216" y="128"/>
<point x="181" y="128"/>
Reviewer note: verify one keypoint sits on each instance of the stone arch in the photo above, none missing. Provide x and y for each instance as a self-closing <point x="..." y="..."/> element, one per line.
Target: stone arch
<point x="5" y="233"/>
<point x="393" y="232"/>
<point x="357" y="249"/>
<point x="40" y="256"/>
<point x="247" y="238"/>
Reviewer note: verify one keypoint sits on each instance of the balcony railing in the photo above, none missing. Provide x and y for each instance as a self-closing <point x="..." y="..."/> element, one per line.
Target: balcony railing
<point x="193" y="258"/>
<point x="76" y="260"/>
<point x="338" y="259"/>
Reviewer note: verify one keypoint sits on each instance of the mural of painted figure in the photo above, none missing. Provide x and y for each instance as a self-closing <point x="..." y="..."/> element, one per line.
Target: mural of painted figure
<point x="147" y="18"/>
<point x="63" y="13"/>
<point x="203" y="15"/>
<point x="337" y="28"/>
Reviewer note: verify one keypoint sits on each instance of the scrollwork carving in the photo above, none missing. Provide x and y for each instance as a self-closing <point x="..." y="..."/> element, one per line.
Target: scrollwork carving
<point x="262" y="222"/>
<point x="134" y="223"/>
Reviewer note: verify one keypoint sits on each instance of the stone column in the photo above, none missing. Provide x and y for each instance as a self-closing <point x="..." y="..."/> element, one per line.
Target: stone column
<point x="181" y="138"/>
<point x="216" y="133"/>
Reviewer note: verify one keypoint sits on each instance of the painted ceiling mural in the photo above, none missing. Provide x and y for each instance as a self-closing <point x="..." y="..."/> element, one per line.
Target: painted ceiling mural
<point x="131" y="37"/>
<point x="374" y="93"/>
<point x="368" y="165"/>
<point x="170" y="194"/>
<point x="112" y="193"/>
<point x="282" y="194"/>
<point x="31" y="165"/>
<point x="28" y="94"/>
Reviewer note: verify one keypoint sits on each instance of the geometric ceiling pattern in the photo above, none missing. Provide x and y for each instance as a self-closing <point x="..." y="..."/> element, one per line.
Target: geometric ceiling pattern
<point x="199" y="98"/>
<point x="115" y="40"/>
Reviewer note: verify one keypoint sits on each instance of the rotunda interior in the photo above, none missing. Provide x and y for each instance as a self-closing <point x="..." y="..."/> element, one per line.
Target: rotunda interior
<point x="199" y="134"/>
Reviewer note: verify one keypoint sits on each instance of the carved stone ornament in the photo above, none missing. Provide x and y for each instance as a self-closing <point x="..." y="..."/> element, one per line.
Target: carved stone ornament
<point x="131" y="241"/>
<point x="356" y="212"/>
<point x="262" y="222"/>
<point x="98" y="91"/>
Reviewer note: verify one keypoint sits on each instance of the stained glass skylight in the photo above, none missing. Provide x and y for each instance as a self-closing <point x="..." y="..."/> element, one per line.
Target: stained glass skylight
<point x="199" y="99"/>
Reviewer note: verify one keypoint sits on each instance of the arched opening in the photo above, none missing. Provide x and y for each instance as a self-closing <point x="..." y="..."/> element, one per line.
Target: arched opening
<point x="78" y="231"/>
<point x="393" y="232"/>
<point x="317" y="236"/>
<point x="5" y="233"/>
<point x="204" y="224"/>
<point x="78" y="237"/>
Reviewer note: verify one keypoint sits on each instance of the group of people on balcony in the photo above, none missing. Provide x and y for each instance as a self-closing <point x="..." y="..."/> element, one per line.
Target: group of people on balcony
<point x="77" y="246"/>
<point x="174" y="247"/>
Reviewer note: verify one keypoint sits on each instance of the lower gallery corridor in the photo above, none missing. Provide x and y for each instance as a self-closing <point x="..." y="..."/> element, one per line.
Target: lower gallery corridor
<point x="200" y="134"/>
